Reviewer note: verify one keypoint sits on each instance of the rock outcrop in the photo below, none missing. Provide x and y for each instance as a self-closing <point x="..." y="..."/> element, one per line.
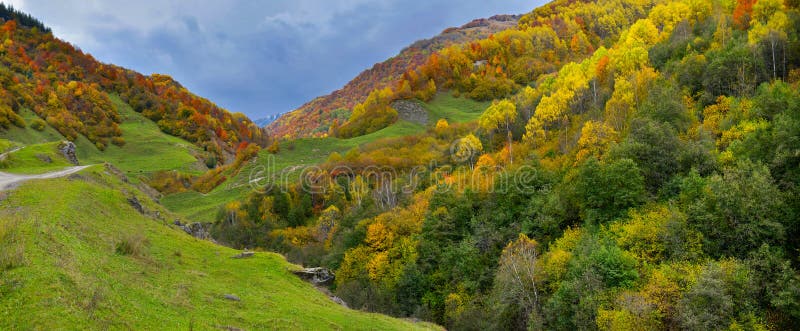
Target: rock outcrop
<point x="134" y="202"/>
<point x="197" y="230"/>
<point x="67" y="148"/>
<point x="411" y="111"/>
<point x="243" y="255"/>
<point x="316" y="276"/>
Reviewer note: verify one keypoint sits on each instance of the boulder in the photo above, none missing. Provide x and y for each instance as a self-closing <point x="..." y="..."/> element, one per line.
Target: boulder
<point x="243" y="255"/>
<point x="339" y="301"/>
<point x="197" y="230"/>
<point x="44" y="158"/>
<point x="411" y="111"/>
<point x="67" y="148"/>
<point x="316" y="276"/>
<point x="134" y="202"/>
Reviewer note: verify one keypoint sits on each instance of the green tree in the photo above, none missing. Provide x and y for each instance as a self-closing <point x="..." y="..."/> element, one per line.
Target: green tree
<point x="607" y="191"/>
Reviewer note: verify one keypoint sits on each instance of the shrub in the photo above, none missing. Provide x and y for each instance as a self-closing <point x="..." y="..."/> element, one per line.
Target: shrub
<point x="133" y="245"/>
<point x="38" y="124"/>
<point x="119" y="141"/>
<point x="274" y="148"/>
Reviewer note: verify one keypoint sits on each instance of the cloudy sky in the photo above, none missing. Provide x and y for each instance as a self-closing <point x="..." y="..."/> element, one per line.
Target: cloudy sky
<point x="256" y="57"/>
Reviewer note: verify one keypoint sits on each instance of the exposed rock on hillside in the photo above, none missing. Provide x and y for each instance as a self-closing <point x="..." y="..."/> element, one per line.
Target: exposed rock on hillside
<point x="316" y="276"/>
<point x="411" y="111"/>
<point x="68" y="149"/>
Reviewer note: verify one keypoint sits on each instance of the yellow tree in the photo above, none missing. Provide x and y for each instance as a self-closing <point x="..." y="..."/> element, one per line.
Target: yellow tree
<point x="769" y="26"/>
<point x="466" y="149"/>
<point x="596" y="137"/>
<point x="501" y="114"/>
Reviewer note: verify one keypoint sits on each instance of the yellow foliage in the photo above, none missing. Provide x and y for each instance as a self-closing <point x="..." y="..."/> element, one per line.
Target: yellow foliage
<point x="378" y="265"/>
<point x="297" y="236"/>
<point x="442" y="124"/>
<point x="378" y="236"/>
<point x="713" y="114"/>
<point x="740" y="131"/>
<point x="596" y="137"/>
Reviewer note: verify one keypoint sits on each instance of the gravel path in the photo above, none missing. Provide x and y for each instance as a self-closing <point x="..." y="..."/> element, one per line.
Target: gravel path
<point x="9" y="181"/>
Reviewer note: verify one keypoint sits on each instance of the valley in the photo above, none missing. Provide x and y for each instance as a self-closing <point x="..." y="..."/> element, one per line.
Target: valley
<point x="592" y="165"/>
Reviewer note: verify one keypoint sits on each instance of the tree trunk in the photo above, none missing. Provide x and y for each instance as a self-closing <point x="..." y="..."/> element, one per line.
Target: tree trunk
<point x="510" y="138"/>
<point x="772" y="43"/>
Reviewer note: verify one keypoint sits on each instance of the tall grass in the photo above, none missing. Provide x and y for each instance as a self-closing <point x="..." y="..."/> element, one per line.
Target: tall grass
<point x="12" y="250"/>
<point x="133" y="245"/>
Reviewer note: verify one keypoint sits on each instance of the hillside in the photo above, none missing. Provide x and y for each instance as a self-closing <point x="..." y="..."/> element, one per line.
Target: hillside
<point x="48" y="83"/>
<point x="634" y="166"/>
<point x="70" y="264"/>
<point x="315" y="117"/>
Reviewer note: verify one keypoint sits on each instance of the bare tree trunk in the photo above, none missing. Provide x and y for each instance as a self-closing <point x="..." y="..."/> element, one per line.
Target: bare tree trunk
<point x="772" y="43"/>
<point x="510" y="138"/>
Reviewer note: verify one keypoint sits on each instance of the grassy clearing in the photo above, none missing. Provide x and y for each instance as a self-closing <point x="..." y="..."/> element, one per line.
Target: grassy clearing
<point x="455" y="110"/>
<point x="147" y="149"/>
<point x="35" y="159"/>
<point x="73" y="278"/>
<point x="29" y="136"/>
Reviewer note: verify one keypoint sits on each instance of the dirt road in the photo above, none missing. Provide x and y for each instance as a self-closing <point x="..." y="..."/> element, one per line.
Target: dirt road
<point x="9" y="181"/>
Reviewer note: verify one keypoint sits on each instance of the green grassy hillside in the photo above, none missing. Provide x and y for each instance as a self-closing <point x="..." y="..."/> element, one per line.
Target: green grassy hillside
<point x="70" y="264"/>
<point x="147" y="149"/>
<point x="34" y="159"/>
<point x="455" y="110"/>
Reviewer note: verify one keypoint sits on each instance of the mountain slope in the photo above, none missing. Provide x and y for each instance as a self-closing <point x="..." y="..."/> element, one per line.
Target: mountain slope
<point x="69" y="90"/>
<point x="314" y="118"/>
<point x="637" y="169"/>
<point x="67" y="263"/>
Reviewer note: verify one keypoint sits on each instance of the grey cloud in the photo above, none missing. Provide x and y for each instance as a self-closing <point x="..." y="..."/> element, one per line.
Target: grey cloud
<point x="256" y="57"/>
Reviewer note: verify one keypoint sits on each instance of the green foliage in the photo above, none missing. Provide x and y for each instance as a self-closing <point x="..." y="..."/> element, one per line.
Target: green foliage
<point x="655" y="148"/>
<point x="739" y="211"/>
<point x="606" y="191"/>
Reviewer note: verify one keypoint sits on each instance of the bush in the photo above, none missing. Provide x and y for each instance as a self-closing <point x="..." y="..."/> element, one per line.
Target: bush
<point x="274" y="148"/>
<point x="38" y="124"/>
<point x="118" y="141"/>
<point x="133" y="245"/>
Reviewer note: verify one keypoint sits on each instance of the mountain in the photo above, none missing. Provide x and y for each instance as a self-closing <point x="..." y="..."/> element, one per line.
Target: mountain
<point x="266" y="120"/>
<point x="315" y="117"/>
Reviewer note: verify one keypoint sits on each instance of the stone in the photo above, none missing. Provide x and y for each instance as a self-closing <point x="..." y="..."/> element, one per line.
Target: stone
<point x="134" y="202"/>
<point x="316" y="276"/>
<point x="411" y="111"/>
<point x="339" y="301"/>
<point x="67" y="148"/>
<point x="243" y="255"/>
<point x="232" y="297"/>
<point x="44" y="158"/>
<point x="197" y="230"/>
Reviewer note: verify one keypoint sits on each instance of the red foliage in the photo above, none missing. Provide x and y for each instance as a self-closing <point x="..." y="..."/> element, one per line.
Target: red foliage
<point x="742" y="13"/>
